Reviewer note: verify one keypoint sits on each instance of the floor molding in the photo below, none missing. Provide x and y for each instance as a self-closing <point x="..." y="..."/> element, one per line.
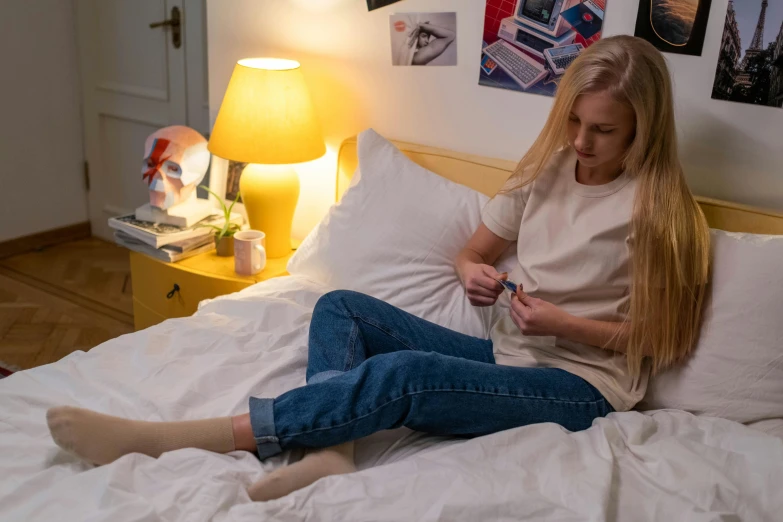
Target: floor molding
<point x="44" y="239"/>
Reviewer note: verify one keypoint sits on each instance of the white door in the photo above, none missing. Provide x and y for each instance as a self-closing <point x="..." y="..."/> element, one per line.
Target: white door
<point x="134" y="82"/>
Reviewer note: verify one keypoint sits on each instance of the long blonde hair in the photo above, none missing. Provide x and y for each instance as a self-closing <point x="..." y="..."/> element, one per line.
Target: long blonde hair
<point x="670" y="237"/>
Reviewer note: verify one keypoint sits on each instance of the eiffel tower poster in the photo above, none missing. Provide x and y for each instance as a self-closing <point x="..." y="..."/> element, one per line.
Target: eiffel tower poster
<point x="750" y="62"/>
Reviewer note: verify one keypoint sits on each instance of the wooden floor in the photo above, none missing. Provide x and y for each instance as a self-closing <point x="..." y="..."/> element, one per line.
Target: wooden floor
<point x="65" y="298"/>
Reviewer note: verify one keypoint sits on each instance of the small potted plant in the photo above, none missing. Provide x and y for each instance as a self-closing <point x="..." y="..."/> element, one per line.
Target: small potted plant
<point x="224" y="236"/>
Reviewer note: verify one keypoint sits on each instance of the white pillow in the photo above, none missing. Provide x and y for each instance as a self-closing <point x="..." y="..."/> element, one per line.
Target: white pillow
<point x="394" y="235"/>
<point x="736" y="371"/>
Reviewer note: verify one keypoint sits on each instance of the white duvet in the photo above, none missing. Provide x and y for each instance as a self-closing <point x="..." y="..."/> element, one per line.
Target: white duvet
<point x="665" y="465"/>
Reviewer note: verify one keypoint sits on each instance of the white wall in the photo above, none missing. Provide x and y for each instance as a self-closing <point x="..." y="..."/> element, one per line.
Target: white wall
<point x="41" y="151"/>
<point x="731" y="151"/>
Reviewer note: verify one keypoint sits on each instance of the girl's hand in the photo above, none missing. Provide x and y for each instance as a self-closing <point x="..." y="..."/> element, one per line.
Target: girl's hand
<point x="536" y="317"/>
<point x="480" y="284"/>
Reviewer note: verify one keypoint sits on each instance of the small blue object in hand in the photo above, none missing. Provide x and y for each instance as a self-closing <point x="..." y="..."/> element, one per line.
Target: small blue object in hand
<point x="508" y="285"/>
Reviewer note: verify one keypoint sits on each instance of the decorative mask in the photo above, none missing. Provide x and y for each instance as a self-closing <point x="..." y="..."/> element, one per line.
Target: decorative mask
<point x="175" y="161"/>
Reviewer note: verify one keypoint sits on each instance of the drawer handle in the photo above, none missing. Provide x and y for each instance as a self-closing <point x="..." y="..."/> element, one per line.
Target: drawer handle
<point x="173" y="291"/>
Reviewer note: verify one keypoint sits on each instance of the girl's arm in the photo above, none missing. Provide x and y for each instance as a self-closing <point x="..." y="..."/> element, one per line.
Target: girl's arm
<point x="536" y="317"/>
<point x="474" y="266"/>
<point x="483" y="248"/>
<point x="604" y="334"/>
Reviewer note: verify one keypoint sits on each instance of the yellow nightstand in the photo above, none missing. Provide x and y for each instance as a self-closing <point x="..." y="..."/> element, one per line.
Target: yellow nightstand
<point x="165" y="290"/>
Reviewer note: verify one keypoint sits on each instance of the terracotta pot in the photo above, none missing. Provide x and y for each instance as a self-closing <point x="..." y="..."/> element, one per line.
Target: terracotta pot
<point x="225" y="246"/>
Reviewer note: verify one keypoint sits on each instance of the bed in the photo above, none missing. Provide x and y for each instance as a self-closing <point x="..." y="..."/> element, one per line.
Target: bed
<point x="664" y="464"/>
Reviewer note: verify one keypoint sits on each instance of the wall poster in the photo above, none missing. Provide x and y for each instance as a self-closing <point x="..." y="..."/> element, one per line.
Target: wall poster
<point x="423" y="38"/>
<point x="372" y="5"/>
<point x="750" y="62"/>
<point x="674" y="26"/>
<point x="529" y="44"/>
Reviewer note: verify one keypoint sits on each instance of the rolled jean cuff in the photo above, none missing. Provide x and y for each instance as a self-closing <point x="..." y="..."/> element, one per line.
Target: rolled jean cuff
<point x="263" y="422"/>
<point x="324" y="376"/>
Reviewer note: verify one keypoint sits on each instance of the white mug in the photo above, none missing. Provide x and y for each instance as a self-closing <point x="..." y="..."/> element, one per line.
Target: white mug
<point x="249" y="252"/>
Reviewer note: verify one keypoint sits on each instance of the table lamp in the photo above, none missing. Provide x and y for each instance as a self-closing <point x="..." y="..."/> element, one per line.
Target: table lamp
<point x="267" y="120"/>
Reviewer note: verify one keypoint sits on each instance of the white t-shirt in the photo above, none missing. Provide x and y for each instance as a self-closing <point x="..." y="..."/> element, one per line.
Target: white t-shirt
<point x="573" y="245"/>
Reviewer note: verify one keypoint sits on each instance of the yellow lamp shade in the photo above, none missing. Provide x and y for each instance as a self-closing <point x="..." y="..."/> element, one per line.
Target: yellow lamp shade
<point x="267" y="115"/>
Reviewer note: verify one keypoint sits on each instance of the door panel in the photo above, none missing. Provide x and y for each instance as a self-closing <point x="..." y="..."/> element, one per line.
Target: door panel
<point x="133" y="83"/>
<point x="123" y="31"/>
<point x="196" y="65"/>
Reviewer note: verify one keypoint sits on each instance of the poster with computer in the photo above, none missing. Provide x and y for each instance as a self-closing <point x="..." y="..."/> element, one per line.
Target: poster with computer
<point x="528" y="44"/>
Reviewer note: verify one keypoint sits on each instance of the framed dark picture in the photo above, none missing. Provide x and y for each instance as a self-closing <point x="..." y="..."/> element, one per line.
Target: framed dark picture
<point x="232" y="179"/>
<point x="377" y="4"/>
<point x="674" y="26"/>
<point x="224" y="180"/>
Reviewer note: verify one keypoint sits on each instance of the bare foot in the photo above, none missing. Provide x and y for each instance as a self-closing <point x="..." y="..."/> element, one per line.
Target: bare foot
<point x="315" y="465"/>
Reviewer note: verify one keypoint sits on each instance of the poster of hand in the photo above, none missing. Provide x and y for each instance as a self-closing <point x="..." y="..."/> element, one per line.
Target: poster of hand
<point x="423" y="38"/>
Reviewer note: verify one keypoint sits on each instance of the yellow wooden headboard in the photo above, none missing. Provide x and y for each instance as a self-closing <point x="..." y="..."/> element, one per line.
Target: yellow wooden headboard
<point x="487" y="175"/>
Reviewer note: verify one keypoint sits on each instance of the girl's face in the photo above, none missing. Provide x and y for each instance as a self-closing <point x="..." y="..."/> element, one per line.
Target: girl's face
<point x="424" y="40"/>
<point x="600" y="129"/>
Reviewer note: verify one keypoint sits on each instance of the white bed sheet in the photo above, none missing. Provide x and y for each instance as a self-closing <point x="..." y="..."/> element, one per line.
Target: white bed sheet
<point x="665" y="465"/>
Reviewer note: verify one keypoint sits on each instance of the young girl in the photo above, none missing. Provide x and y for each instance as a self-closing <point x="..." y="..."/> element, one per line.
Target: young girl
<point x="613" y="261"/>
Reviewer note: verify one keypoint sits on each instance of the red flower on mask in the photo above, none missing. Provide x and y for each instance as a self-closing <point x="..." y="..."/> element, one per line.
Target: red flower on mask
<point x="155" y="161"/>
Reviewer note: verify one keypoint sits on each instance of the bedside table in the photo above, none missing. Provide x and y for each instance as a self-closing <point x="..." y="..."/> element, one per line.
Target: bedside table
<point x="166" y="290"/>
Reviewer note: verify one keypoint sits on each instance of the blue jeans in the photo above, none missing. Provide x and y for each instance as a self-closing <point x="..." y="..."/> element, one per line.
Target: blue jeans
<point x="374" y="367"/>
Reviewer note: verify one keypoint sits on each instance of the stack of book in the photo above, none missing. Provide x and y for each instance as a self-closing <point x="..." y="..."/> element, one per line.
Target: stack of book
<point x="168" y="243"/>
